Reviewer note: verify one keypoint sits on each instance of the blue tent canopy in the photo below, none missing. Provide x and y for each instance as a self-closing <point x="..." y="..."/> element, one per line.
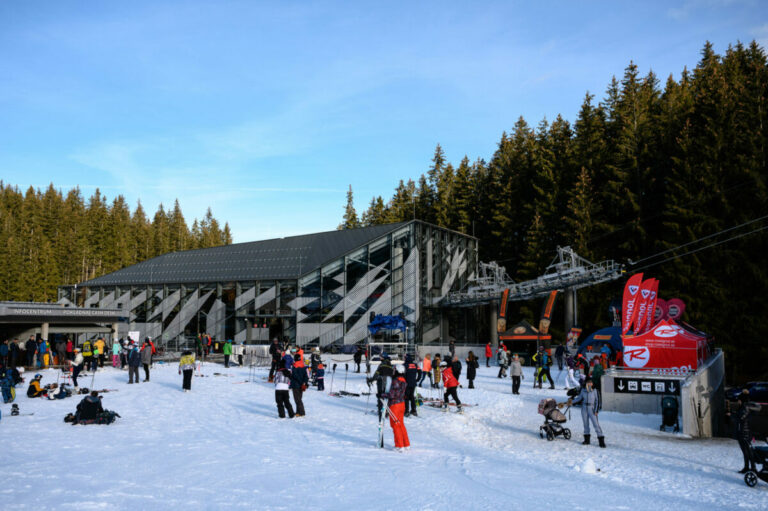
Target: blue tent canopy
<point x="386" y="323"/>
<point x="610" y="336"/>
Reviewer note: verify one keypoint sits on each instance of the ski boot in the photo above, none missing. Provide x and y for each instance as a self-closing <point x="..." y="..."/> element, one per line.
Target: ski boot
<point x="445" y="407"/>
<point x="15" y="409"/>
<point x="459" y="409"/>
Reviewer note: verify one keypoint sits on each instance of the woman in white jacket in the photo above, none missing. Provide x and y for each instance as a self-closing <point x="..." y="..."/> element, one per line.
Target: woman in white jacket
<point x="77" y="366"/>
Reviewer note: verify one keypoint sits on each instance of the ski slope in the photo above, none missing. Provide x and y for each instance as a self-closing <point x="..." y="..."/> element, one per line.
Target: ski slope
<point x="222" y="446"/>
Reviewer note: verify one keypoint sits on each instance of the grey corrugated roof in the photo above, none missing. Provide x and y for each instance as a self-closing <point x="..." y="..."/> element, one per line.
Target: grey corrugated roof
<point x="281" y="258"/>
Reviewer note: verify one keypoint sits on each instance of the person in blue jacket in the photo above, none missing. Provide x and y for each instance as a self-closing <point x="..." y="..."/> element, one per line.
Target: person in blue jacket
<point x="134" y="362"/>
<point x="299" y="381"/>
<point x="543" y="361"/>
<point x="589" y="408"/>
<point x="320" y="376"/>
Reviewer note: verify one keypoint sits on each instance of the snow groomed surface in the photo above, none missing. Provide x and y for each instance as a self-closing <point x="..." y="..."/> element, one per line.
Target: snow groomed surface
<point x="222" y="446"/>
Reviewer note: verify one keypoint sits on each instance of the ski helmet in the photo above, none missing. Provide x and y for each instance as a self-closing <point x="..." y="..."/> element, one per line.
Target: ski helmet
<point x="38" y="376"/>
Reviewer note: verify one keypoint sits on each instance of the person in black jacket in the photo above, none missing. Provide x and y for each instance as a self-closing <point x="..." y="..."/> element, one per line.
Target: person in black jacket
<point x="472" y="365"/>
<point x="382" y="377"/>
<point x="89" y="408"/>
<point x="560" y="356"/>
<point x="358" y="358"/>
<point x="743" y="434"/>
<point x="456" y="367"/>
<point x="299" y="382"/>
<point x="275" y="352"/>
<point x="412" y="373"/>
<point x="31" y="351"/>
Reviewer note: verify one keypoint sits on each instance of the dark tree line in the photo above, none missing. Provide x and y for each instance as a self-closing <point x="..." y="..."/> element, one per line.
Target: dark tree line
<point x="49" y="238"/>
<point x="645" y="169"/>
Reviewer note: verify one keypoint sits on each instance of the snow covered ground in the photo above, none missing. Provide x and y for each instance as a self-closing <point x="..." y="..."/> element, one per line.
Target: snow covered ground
<point x="222" y="446"/>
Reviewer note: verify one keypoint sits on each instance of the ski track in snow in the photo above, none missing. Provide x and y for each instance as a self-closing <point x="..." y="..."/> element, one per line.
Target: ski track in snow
<point x="222" y="446"/>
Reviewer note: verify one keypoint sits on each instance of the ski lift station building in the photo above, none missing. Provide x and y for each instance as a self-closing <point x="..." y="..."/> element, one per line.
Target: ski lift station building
<point x="315" y="290"/>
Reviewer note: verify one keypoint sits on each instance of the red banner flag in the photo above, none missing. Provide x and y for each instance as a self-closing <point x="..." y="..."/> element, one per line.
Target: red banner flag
<point x="642" y="306"/>
<point x="650" y="311"/>
<point x="628" y="305"/>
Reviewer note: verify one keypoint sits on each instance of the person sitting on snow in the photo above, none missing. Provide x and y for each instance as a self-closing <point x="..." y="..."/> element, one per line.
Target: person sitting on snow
<point x="35" y="390"/>
<point x="89" y="408"/>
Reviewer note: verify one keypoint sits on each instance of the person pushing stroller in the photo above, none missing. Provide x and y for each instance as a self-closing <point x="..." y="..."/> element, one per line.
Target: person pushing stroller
<point x="589" y="408"/>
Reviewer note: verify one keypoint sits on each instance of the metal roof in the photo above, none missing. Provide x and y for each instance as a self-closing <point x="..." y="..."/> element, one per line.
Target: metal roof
<point x="280" y="258"/>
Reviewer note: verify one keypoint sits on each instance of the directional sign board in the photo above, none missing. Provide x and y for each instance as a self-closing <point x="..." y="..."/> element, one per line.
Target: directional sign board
<point x="641" y="386"/>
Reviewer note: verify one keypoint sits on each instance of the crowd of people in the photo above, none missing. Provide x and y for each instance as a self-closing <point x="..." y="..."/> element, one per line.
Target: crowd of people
<point x="292" y="375"/>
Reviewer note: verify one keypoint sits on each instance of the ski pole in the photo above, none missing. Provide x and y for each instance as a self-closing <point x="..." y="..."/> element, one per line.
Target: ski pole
<point x="346" y="370"/>
<point x="332" y="375"/>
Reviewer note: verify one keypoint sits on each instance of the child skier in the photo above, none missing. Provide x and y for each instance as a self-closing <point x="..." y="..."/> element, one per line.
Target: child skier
<point x="451" y="384"/>
<point x="320" y="377"/>
<point x="187" y="366"/>
<point x="282" y="384"/>
<point x="396" y="406"/>
<point x="34" y="389"/>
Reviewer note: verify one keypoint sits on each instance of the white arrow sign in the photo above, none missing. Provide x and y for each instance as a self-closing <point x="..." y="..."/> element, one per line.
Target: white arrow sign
<point x="671" y="387"/>
<point x="621" y="385"/>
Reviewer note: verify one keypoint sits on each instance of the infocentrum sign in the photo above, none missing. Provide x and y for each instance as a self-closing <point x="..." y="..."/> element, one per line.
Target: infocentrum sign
<point x="27" y="311"/>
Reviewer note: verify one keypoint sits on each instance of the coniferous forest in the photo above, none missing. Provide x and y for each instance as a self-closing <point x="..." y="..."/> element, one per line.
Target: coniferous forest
<point x="49" y="238"/>
<point x="646" y="168"/>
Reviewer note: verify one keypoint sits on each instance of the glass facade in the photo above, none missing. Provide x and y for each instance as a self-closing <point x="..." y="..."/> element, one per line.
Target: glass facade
<point x="407" y="271"/>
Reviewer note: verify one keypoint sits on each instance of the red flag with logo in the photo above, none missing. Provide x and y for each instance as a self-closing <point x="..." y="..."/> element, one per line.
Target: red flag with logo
<point x="650" y="311"/>
<point x="642" y="305"/>
<point x="629" y="303"/>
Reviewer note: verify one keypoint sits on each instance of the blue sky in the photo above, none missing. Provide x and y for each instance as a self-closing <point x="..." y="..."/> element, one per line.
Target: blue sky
<point x="267" y="111"/>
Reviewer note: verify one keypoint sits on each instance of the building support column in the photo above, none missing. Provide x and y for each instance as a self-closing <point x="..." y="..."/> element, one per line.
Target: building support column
<point x="115" y="333"/>
<point x="571" y="313"/>
<point x="494" y="319"/>
<point x="444" y="328"/>
<point x="44" y="331"/>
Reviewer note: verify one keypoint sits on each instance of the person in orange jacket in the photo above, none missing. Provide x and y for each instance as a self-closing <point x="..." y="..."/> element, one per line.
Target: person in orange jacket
<point x="451" y="384"/>
<point x="426" y="369"/>
<point x="396" y="405"/>
<point x="488" y="354"/>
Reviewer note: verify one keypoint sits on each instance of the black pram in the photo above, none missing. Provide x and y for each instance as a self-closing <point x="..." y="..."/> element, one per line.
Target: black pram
<point x="553" y="418"/>
<point x="760" y="456"/>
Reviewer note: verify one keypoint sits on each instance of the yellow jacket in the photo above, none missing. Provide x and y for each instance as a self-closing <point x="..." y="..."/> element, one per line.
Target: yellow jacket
<point x="187" y="362"/>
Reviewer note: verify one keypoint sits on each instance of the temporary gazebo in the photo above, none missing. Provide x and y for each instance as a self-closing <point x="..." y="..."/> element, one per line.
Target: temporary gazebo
<point x="667" y="346"/>
<point x="524" y="338"/>
<point x="610" y="336"/>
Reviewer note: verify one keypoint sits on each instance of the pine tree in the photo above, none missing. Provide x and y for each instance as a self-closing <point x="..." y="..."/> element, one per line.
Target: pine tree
<point x="350" y="220"/>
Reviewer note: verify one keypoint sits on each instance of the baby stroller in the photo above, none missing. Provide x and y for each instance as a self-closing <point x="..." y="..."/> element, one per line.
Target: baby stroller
<point x="760" y="455"/>
<point x="669" y="408"/>
<point x="553" y="418"/>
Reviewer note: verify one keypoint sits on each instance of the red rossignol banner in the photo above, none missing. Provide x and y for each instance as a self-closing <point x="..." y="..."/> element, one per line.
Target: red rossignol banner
<point x="650" y="310"/>
<point x="629" y="303"/>
<point x="667" y="347"/>
<point x="642" y="306"/>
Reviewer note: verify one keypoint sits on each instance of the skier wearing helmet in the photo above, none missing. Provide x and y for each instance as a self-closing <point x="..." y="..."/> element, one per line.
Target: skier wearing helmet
<point x="34" y="389"/>
<point x="396" y="405"/>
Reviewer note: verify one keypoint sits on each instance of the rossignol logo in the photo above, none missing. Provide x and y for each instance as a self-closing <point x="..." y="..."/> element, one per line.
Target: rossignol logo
<point x="633" y="290"/>
<point x="636" y="356"/>
<point x="665" y="331"/>
<point x="645" y="293"/>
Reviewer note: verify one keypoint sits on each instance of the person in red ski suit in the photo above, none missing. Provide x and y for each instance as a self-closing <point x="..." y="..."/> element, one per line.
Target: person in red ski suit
<point x="451" y="384"/>
<point x="488" y="354"/>
<point x="396" y="405"/>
